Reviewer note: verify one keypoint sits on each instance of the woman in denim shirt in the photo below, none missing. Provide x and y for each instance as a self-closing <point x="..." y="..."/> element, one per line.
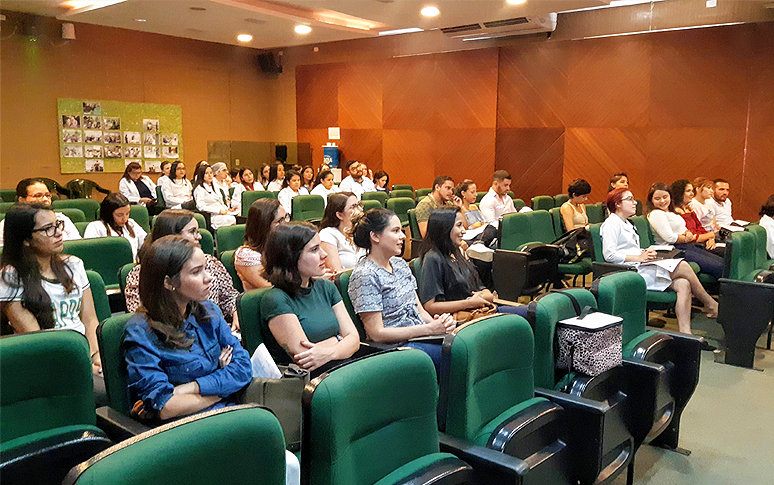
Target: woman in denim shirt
<point x="181" y="356"/>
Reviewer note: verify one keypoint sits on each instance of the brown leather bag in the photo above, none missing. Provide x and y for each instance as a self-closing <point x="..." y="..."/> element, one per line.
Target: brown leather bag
<point x="463" y="316"/>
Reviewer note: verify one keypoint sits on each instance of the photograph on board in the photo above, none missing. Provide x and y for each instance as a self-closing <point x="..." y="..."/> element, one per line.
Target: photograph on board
<point x="95" y="166"/>
<point x="151" y="152"/>
<point x="169" y="152"/>
<point x="152" y="166"/>
<point x="127" y="161"/>
<point x="72" y="136"/>
<point x="92" y="151"/>
<point x="91" y="108"/>
<point x="113" y="151"/>
<point x="92" y="136"/>
<point x="132" y="152"/>
<point x="71" y="121"/>
<point x="112" y="137"/>
<point x="150" y="125"/>
<point x="150" y="139"/>
<point x="72" y="151"/>
<point x="92" y="122"/>
<point x="169" y="139"/>
<point x="132" y="137"/>
<point x="111" y="123"/>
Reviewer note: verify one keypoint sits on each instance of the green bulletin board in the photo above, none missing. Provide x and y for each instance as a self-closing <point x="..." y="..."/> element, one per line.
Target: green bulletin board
<point x="104" y="136"/>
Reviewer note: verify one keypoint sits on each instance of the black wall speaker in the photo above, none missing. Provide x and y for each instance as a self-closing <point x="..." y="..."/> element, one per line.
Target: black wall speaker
<point x="268" y="64"/>
<point x="281" y="153"/>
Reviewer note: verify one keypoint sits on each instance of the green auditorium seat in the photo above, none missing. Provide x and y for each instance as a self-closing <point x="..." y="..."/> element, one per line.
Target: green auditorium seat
<point x="309" y="208"/>
<point x="420" y="194"/>
<point x="99" y="295"/>
<point x="402" y="193"/>
<point x="201" y="220"/>
<point x="624" y="294"/>
<point x="557" y="220"/>
<point x="207" y="243"/>
<point x="161" y="204"/>
<point x="4" y="206"/>
<point x="342" y="283"/>
<point x="511" y="194"/>
<point x="140" y="215"/>
<point x="416" y="236"/>
<point x="479" y="196"/>
<point x="638" y="211"/>
<point x="249" y="313"/>
<point x="227" y="258"/>
<point x="371" y="204"/>
<point x="90" y="207"/>
<point x="230" y="237"/>
<point x="403" y="187"/>
<point x="75" y="215"/>
<point x="560" y="199"/>
<point x="81" y="226"/>
<point x="83" y="188"/>
<point x="595" y="213"/>
<point x="381" y="197"/>
<point x="542" y="202"/>
<point x="250" y="196"/>
<point x="518" y="204"/>
<point x="762" y="260"/>
<point x="123" y="274"/>
<point x="7" y="195"/>
<point x="105" y="255"/>
<point x="368" y="402"/>
<point x="400" y="206"/>
<point x="238" y="444"/>
<point x="47" y="408"/>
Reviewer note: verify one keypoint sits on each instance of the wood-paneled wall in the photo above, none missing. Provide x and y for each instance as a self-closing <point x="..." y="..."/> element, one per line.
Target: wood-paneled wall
<point x="659" y="106"/>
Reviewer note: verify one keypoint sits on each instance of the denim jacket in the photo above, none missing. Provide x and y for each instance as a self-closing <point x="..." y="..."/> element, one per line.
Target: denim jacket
<point x="154" y="370"/>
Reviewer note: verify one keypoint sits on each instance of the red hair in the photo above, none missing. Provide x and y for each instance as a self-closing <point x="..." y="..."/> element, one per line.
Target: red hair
<point x="614" y="198"/>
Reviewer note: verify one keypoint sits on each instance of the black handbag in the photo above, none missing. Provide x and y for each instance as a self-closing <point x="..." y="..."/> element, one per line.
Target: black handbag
<point x="575" y="245"/>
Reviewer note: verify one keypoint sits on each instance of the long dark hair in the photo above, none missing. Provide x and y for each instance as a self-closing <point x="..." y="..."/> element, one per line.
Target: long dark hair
<point x="336" y="203"/>
<point x="19" y="224"/>
<point x="439" y="226"/>
<point x="282" y="252"/>
<point x="767" y="209"/>
<point x="110" y="203"/>
<point x="166" y="257"/>
<point x="131" y="167"/>
<point x="242" y="181"/>
<point x="259" y="175"/>
<point x="615" y="178"/>
<point x="375" y="220"/>
<point x="289" y="175"/>
<point x="273" y="171"/>
<point x="677" y="191"/>
<point x="199" y="175"/>
<point x="652" y="190"/>
<point x="321" y="176"/>
<point x="259" y="218"/>
<point x="303" y="170"/>
<point x="169" y="222"/>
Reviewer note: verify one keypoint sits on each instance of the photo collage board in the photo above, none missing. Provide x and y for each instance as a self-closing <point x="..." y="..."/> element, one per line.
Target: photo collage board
<point x="105" y="136"/>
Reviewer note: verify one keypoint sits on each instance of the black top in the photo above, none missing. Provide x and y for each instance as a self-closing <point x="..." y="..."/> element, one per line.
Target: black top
<point x="447" y="280"/>
<point x="143" y="190"/>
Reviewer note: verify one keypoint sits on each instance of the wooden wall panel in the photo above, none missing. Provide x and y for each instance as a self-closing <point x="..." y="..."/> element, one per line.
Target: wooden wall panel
<point x="534" y="157"/>
<point x="316" y="138"/>
<point x="465" y="90"/>
<point x="465" y="154"/>
<point x="408" y="157"/>
<point x="409" y="93"/>
<point x="360" y="95"/>
<point x="362" y="145"/>
<point x="317" y="92"/>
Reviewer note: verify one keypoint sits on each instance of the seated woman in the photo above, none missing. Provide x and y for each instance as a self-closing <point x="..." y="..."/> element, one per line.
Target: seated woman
<point x="264" y="214"/>
<point x="165" y="166"/>
<point x="574" y="210"/>
<point x="334" y="231"/>
<point x="264" y="179"/>
<point x="39" y="287"/>
<point x="291" y="188"/>
<point x="323" y="185"/>
<point x="182" y="223"/>
<point x="114" y="221"/>
<point x="683" y="190"/>
<point x="669" y="228"/>
<point x="136" y="187"/>
<point x="767" y="222"/>
<point x="222" y="183"/>
<point x="382" y="181"/>
<point x="466" y="191"/>
<point x="307" y="177"/>
<point x="176" y="189"/>
<point x="276" y="177"/>
<point x="618" y="181"/>
<point x="704" y="190"/>
<point x="383" y="290"/>
<point x="621" y="245"/>
<point x="307" y="321"/>
<point x="208" y="200"/>
<point x="450" y="283"/>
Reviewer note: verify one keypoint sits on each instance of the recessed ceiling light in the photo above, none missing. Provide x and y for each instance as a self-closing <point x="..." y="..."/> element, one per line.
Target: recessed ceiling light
<point x="244" y="37"/>
<point x="303" y="29"/>
<point x="140" y="20"/>
<point x="429" y="11"/>
<point x="516" y="2"/>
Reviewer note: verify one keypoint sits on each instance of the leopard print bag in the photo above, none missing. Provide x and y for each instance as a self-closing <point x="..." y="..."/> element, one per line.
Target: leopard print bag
<point x="590" y="352"/>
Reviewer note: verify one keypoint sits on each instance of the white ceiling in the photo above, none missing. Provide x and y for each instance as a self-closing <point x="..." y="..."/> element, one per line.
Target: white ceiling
<point x="271" y="23"/>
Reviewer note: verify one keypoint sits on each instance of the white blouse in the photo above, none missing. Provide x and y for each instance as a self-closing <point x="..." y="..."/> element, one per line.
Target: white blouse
<point x="274" y="186"/>
<point x="128" y="189"/>
<point x="208" y="200"/>
<point x="667" y="226"/>
<point x="286" y="195"/>
<point x="100" y="229"/>
<point x="320" y="190"/>
<point x="705" y="213"/>
<point x="176" y="193"/>
<point x="349" y="253"/>
<point x="768" y="224"/>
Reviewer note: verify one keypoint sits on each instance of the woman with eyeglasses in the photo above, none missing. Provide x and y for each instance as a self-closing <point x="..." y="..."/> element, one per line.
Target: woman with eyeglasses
<point x="335" y="231"/>
<point x="264" y="214"/>
<point x="621" y="245"/>
<point x="182" y="223"/>
<point x="114" y="221"/>
<point x="176" y="189"/>
<point x="39" y="287"/>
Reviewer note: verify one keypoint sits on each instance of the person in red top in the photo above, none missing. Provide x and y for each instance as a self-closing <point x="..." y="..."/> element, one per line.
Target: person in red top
<point x="682" y="194"/>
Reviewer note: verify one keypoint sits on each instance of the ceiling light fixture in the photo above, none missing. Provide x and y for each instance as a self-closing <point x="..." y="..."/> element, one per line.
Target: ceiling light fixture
<point x="244" y="37"/>
<point x="89" y="4"/>
<point x="140" y="20"/>
<point x="401" y="31"/>
<point x="516" y="2"/>
<point x="430" y="11"/>
<point x="302" y="29"/>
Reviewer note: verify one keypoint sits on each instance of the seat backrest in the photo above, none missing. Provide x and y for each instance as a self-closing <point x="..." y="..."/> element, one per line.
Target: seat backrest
<point x="123" y="274"/>
<point x="596" y="238"/>
<point x="4" y="206"/>
<point x="250" y="196"/>
<point x="400" y="206"/>
<point x="75" y="215"/>
<point x="741" y="264"/>
<point x="160" y="202"/>
<point x="8" y="195"/>
<point x="560" y="199"/>
<point x="54" y="186"/>
<point x="230" y="237"/>
<point x="355" y="398"/>
<point x="544" y="313"/>
<point x="403" y="187"/>
<point x="595" y="213"/>
<point x="90" y="207"/>
<point x="402" y="193"/>
<point x="557" y="220"/>
<point x="206" y="242"/>
<point x="479" y="196"/>
<point x="416" y="269"/>
<point x="378" y="196"/>
<point x="413" y="224"/>
<point x="490" y="371"/>
<point x="99" y="295"/>
<point x="105" y="255"/>
<point x="761" y="254"/>
<point x="201" y="220"/>
<point x="643" y="230"/>
<point x="419" y="194"/>
<point x="342" y="283"/>
<point x="110" y="336"/>
<point x="638" y="211"/>
<point x="527" y="227"/>
<point x="369" y="204"/>
<point x="623" y="294"/>
<point x="47" y="382"/>
<point x="249" y="313"/>
<point x="227" y="258"/>
<point x="251" y="434"/>
<point x="81" y="226"/>
<point x="542" y="202"/>
<point x="307" y="208"/>
<point x="518" y="204"/>
<point x="139" y="213"/>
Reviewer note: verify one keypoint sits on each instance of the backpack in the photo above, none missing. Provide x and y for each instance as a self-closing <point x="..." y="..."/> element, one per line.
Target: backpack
<point x="574" y="245"/>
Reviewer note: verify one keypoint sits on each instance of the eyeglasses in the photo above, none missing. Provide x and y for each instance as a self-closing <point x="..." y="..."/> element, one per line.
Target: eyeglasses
<point x="280" y="220"/>
<point x="51" y="229"/>
<point x="46" y="195"/>
<point x="627" y="198"/>
<point x="355" y="206"/>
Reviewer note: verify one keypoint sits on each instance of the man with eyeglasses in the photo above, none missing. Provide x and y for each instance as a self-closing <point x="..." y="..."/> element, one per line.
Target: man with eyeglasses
<point x="34" y="191"/>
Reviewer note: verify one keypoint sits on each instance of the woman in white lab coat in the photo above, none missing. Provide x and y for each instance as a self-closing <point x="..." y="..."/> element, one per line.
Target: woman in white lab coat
<point x="176" y="189"/>
<point x="136" y="187"/>
<point x="209" y="200"/>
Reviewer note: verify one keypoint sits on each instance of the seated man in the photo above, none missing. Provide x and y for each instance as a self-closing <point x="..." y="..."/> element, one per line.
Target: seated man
<point x="442" y="195"/>
<point x="497" y="202"/>
<point x="33" y="190"/>
<point x="356" y="182"/>
<point x="721" y="203"/>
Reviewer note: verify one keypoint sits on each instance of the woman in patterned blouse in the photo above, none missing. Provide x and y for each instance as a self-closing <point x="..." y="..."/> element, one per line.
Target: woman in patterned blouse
<point x="182" y="222"/>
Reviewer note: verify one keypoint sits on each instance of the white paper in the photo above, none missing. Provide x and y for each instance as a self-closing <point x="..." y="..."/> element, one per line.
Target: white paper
<point x="334" y="133"/>
<point x="593" y="321"/>
<point x="731" y="228"/>
<point x="471" y="233"/>
<point x="661" y="247"/>
<point x="667" y="264"/>
<point x="263" y="364"/>
<point x="741" y="222"/>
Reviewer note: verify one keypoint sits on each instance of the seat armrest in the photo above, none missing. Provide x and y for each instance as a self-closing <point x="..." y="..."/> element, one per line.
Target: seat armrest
<point x="491" y="466"/>
<point x="376" y="346"/>
<point x="500" y="301"/>
<point x="118" y="426"/>
<point x="601" y="269"/>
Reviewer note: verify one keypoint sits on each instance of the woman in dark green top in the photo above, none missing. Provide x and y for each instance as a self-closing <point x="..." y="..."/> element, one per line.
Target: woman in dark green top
<point x="307" y="321"/>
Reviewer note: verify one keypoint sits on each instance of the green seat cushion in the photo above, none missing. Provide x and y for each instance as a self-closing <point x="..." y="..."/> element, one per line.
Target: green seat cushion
<point x="695" y="267"/>
<point x="482" y="437"/>
<point x="47" y="434"/>
<point x="412" y="467"/>
<point x="666" y="296"/>
<point x="582" y="267"/>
